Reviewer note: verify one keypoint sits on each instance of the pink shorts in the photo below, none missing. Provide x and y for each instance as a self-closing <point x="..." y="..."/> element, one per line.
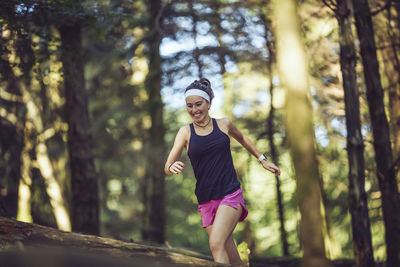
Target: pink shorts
<point x="209" y="209"/>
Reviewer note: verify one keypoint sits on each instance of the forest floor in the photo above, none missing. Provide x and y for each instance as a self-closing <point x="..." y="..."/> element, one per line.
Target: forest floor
<point x="32" y="245"/>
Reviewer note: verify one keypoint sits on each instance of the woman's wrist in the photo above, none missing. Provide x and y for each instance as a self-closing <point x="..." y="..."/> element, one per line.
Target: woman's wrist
<point x="169" y="166"/>
<point x="261" y="158"/>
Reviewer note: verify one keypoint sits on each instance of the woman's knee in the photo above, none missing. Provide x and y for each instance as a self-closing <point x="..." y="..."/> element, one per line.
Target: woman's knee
<point x="216" y="244"/>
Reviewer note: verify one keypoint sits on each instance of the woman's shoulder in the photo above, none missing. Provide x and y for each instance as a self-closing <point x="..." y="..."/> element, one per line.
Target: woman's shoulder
<point x="224" y="124"/>
<point x="185" y="129"/>
<point x="224" y="121"/>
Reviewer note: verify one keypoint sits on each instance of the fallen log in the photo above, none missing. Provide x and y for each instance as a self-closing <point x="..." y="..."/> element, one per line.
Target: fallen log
<point x="33" y="242"/>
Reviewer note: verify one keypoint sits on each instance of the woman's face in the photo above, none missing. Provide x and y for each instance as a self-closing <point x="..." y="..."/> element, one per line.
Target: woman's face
<point x="197" y="108"/>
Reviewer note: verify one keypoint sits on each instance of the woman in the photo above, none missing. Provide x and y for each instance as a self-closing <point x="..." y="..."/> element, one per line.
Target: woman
<point x="218" y="192"/>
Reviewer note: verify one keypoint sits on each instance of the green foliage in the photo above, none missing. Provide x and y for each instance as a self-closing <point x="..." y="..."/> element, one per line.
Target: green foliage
<point x="244" y="251"/>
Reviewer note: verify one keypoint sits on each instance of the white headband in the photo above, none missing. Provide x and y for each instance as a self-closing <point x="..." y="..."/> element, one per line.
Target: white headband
<point x="197" y="92"/>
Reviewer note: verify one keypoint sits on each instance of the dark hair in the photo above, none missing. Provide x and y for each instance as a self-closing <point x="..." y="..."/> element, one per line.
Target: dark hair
<point x="204" y="85"/>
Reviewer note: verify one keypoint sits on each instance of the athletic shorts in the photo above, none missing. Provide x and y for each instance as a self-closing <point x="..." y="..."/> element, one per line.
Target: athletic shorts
<point x="209" y="209"/>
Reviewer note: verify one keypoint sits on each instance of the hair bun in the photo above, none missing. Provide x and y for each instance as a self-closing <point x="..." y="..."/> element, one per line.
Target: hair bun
<point x="205" y="81"/>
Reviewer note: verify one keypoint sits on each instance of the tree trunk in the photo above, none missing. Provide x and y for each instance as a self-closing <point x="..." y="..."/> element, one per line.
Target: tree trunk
<point x="11" y="135"/>
<point x="391" y="56"/>
<point x="358" y="205"/>
<point x="85" y="203"/>
<point x="21" y="47"/>
<point x="274" y="158"/>
<point x="219" y="32"/>
<point x="397" y="7"/>
<point x="196" y="52"/>
<point x="154" y="219"/>
<point x="25" y="183"/>
<point x="10" y="169"/>
<point x="271" y="131"/>
<point x="326" y="214"/>
<point x="293" y="76"/>
<point x="380" y="131"/>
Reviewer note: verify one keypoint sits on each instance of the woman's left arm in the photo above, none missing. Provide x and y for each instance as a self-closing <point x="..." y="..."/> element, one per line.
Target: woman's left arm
<point x="246" y="143"/>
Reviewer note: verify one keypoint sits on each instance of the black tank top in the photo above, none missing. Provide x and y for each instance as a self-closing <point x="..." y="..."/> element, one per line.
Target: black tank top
<point x="211" y="160"/>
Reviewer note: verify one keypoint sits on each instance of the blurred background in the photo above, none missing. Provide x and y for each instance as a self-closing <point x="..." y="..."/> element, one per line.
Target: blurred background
<point x="91" y="97"/>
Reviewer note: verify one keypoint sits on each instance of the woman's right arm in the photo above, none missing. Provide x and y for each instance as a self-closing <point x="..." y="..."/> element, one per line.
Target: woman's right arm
<point x="173" y="166"/>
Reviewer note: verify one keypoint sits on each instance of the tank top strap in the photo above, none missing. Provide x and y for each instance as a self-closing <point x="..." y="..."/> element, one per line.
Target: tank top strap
<point x="192" y="132"/>
<point x="214" y="123"/>
<point x="216" y="127"/>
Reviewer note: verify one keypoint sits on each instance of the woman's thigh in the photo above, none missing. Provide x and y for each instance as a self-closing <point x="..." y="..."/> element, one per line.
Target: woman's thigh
<point x="225" y="222"/>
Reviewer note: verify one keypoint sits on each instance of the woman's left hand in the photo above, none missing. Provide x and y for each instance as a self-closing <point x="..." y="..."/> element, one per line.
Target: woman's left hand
<point x="271" y="167"/>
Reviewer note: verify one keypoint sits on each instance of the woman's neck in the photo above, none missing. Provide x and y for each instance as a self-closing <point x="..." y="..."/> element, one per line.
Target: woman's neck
<point x="204" y="123"/>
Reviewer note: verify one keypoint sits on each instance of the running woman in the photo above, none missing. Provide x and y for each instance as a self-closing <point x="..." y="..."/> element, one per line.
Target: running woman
<point x="218" y="191"/>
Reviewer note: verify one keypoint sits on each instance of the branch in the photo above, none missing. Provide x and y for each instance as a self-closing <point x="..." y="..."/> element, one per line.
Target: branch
<point x="58" y="126"/>
<point x="12" y="118"/>
<point x="159" y="14"/>
<point x="332" y="6"/>
<point x="396" y="164"/>
<point x="386" y="5"/>
<point x="388" y="46"/>
<point x="10" y="97"/>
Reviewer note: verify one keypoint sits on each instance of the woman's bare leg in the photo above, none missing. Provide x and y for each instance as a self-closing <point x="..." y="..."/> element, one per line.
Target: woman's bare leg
<point x="221" y="241"/>
<point x="233" y="253"/>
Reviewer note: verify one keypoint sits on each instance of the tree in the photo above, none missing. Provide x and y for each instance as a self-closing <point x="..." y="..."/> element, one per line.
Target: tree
<point x="300" y="131"/>
<point x="355" y="148"/>
<point x="11" y="133"/>
<point x="154" y="196"/>
<point x="380" y="130"/>
<point x="85" y="205"/>
<point x="269" y="39"/>
<point x="388" y="40"/>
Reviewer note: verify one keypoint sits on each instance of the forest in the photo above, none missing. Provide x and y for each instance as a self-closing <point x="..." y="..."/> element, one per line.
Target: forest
<point x="92" y="96"/>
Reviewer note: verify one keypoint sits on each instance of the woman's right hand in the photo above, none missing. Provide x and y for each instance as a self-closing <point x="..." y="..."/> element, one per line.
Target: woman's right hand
<point x="176" y="167"/>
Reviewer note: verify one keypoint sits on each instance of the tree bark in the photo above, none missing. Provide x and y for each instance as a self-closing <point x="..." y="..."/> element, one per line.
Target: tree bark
<point x="380" y="130"/>
<point x="391" y="55"/>
<point x="154" y="198"/>
<point x="85" y="203"/>
<point x="293" y="76"/>
<point x="358" y="205"/>
<point x="219" y="32"/>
